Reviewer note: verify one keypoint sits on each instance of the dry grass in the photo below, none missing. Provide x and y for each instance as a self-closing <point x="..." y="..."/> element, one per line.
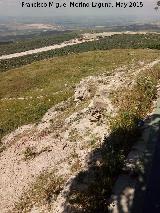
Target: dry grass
<point x="43" y="191"/>
<point x="135" y="102"/>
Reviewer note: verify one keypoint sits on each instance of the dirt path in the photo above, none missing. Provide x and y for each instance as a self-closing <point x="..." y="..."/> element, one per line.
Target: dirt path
<point x="86" y="38"/>
<point x="43" y="49"/>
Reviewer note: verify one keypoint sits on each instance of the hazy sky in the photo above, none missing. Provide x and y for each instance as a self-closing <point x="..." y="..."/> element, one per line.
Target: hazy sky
<point x="13" y="8"/>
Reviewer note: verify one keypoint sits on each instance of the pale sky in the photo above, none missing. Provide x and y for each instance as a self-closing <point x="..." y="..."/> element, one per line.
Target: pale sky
<point x="13" y="8"/>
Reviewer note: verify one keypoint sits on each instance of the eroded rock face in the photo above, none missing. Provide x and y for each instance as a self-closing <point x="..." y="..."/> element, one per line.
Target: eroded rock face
<point x="85" y="89"/>
<point x="60" y="142"/>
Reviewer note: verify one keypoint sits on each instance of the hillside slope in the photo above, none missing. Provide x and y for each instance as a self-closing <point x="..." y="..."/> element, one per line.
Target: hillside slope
<point x="71" y="106"/>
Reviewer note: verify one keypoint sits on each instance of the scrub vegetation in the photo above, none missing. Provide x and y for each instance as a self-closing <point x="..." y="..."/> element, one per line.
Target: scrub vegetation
<point x="123" y="41"/>
<point x="42" y="192"/>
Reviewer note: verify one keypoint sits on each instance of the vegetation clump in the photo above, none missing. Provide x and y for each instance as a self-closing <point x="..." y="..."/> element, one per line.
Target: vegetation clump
<point x="29" y="153"/>
<point x="43" y="191"/>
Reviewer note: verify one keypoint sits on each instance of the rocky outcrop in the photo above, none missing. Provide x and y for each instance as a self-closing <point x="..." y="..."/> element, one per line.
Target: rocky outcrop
<point x="61" y="142"/>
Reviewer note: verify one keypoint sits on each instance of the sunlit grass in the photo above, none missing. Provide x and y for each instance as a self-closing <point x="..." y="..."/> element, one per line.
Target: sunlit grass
<point x="37" y="87"/>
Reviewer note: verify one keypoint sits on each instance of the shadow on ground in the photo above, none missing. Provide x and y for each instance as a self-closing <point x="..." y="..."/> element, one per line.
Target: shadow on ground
<point x="91" y="189"/>
<point x="147" y="193"/>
